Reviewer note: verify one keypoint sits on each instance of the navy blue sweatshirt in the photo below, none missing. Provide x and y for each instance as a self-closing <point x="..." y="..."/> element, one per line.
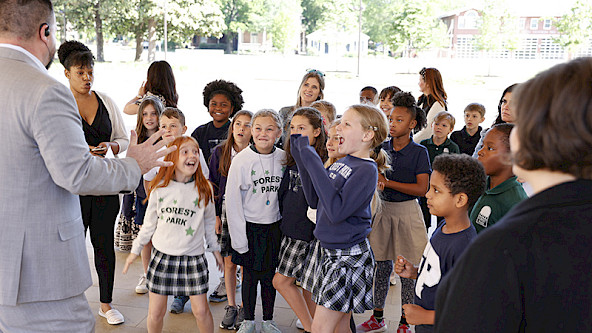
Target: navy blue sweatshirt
<point x="293" y="206"/>
<point x="217" y="179"/>
<point x="344" y="193"/>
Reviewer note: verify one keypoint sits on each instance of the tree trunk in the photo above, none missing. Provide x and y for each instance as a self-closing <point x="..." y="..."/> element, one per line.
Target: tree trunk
<point x="139" y="46"/>
<point x="229" y="42"/>
<point x="99" y="31"/>
<point x="151" y="39"/>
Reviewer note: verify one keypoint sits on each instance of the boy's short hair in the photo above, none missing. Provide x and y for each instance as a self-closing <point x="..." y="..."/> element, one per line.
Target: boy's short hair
<point x="371" y="88"/>
<point x="554" y="120"/>
<point x="505" y="129"/>
<point x="478" y="107"/>
<point x="462" y="174"/>
<point x="445" y="115"/>
<point x="389" y="92"/>
<point x="171" y="112"/>
<point x="325" y="107"/>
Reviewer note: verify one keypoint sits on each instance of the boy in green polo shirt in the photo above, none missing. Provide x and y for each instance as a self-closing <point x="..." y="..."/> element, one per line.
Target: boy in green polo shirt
<point x="503" y="190"/>
<point x="438" y="144"/>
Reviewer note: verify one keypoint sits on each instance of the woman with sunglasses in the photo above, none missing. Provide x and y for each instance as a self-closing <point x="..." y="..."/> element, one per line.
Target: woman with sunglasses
<point x="432" y="100"/>
<point x="310" y="90"/>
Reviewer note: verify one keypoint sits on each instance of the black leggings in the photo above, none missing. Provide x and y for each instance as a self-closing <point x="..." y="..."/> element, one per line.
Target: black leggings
<point x="99" y="215"/>
<point x="249" y="292"/>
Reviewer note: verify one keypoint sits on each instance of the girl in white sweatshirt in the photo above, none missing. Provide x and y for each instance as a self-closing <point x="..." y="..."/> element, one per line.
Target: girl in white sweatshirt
<point x="180" y="214"/>
<point x="252" y="192"/>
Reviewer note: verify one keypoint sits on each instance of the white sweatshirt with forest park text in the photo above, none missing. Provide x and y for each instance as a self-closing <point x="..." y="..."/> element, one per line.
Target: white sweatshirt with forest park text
<point x="177" y="221"/>
<point x="252" y="192"/>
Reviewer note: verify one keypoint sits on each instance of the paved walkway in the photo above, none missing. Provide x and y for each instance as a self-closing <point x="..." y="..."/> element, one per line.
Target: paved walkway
<point x="134" y="307"/>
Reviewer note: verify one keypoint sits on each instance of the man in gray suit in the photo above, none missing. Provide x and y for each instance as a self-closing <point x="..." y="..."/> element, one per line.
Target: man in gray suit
<point x="45" y="163"/>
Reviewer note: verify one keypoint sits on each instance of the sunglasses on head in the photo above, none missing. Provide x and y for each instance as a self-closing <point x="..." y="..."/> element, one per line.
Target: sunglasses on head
<point x="315" y="71"/>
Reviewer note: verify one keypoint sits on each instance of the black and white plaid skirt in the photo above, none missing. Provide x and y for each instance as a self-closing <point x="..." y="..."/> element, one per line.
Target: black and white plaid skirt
<point x="224" y="237"/>
<point x="177" y="275"/>
<point x="292" y="256"/>
<point x="310" y="267"/>
<point x="346" y="279"/>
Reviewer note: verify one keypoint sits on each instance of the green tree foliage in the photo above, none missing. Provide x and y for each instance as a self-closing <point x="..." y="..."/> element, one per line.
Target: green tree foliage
<point x="312" y="14"/>
<point x="497" y="27"/>
<point x="241" y="15"/>
<point x="286" y="24"/>
<point x="575" y="27"/>
<point x="413" y="28"/>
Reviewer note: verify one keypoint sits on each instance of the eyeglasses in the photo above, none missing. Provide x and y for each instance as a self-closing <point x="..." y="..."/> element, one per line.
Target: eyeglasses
<point x="315" y="71"/>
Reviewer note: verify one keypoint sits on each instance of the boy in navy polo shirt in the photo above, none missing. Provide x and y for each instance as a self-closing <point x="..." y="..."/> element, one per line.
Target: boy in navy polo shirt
<point x="456" y="183"/>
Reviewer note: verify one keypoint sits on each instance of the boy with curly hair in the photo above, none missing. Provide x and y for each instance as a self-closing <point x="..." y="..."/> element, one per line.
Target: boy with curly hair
<point x="456" y="183"/>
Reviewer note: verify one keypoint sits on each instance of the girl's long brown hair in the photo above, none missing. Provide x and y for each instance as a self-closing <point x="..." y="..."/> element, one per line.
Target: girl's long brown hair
<point x="433" y="79"/>
<point x="165" y="174"/>
<point x="140" y="128"/>
<point x="226" y="146"/>
<point x="316" y="120"/>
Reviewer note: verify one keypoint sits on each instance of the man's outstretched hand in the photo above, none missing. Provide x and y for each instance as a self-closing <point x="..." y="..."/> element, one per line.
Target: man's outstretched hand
<point x="147" y="154"/>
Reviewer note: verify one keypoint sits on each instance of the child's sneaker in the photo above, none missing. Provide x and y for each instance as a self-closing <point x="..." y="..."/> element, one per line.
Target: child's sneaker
<point x="240" y="317"/>
<point x="248" y="326"/>
<point x="403" y="328"/>
<point x="299" y="325"/>
<point x="179" y="304"/>
<point x="219" y="294"/>
<point x="372" y="326"/>
<point x="269" y="326"/>
<point x="142" y="288"/>
<point x="229" y="317"/>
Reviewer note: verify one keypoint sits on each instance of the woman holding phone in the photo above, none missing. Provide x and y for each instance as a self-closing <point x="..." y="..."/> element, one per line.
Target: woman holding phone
<point x="103" y="130"/>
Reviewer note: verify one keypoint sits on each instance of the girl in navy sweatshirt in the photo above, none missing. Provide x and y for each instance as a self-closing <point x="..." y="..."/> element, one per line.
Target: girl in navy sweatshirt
<point x="296" y="228"/>
<point x="345" y="192"/>
<point x="239" y="137"/>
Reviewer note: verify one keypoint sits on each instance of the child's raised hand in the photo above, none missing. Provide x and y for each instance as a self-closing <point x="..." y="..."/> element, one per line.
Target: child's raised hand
<point x="219" y="261"/>
<point x="404" y="268"/>
<point x="130" y="259"/>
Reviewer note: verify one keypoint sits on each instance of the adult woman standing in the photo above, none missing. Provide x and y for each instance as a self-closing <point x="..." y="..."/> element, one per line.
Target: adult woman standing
<point x="310" y="90"/>
<point x="103" y="130"/>
<point x="504" y="115"/>
<point x="432" y="100"/>
<point x="160" y="82"/>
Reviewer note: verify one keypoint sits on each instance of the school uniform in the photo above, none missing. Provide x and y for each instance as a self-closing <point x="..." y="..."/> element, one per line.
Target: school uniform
<point x="254" y="223"/>
<point x="177" y="222"/>
<point x="496" y="202"/>
<point x="297" y="229"/>
<point x="209" y="136"/>
<point x="345" y="192"/>
<point x="437" y="260"/>
<point x="466" y="142"/>
<point x="219" y="182"/>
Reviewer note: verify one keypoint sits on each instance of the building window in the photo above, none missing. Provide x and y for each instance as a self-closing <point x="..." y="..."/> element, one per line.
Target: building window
<point x="534" y="24"/>
<point x="522" y="23"/>
<point x="547" y="24"/>
<point x="469" y="20"/>
<point x="254" y="38"/>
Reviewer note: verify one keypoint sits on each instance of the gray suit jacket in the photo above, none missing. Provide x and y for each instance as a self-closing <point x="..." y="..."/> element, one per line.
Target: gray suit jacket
<point x="45" y="163"/>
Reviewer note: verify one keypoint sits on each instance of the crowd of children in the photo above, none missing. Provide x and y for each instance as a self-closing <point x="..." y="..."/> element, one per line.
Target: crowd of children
<point x="318" y="208"/>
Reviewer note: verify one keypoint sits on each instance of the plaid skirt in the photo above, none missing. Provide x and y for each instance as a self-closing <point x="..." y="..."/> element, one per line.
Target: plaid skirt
<point x="224" y="236"/>
<point x="310" y="267"/>
<point x="346" y="279"/>
<point x="291" y="258"/>
<point x="177" y="275"/>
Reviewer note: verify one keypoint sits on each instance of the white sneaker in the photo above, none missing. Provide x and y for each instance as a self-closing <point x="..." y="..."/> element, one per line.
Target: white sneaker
<point x="142" y="286"/>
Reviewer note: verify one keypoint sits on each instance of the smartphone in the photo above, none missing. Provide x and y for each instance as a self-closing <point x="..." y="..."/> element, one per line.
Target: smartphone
<point x="98" y="149"/>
